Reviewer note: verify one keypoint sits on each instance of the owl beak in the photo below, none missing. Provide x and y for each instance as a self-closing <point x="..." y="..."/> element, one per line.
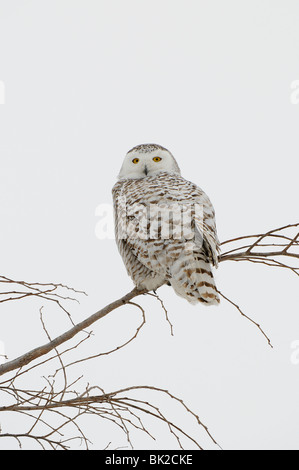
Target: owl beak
<point x="145" y="170"/>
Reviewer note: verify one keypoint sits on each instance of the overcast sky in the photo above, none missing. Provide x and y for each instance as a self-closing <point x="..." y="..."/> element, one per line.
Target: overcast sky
<point x="216" y="83"/>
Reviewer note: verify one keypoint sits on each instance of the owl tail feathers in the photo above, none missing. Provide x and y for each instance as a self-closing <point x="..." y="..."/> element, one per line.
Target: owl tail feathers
<point x="193" y="280"/>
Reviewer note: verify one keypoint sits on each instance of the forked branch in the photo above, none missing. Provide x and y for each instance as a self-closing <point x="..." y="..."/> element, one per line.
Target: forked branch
<point x="276" y="248"/>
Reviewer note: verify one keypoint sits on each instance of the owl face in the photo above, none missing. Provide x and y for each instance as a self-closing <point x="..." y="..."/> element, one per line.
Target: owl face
<point x="147" y="160"/>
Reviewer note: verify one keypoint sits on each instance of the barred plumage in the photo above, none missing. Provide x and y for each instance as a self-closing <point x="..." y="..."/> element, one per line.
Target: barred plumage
<point x="165" y="226"/>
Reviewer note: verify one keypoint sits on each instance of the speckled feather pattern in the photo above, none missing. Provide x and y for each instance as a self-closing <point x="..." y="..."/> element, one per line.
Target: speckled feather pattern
<point x="151" y="258"/>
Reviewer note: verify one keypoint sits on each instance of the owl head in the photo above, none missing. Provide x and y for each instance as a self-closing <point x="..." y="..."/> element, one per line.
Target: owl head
<point x="147" y="160"/>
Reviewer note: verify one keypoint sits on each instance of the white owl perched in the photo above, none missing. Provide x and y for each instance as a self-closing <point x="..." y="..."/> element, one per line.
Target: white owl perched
<point x="165" y="226"/>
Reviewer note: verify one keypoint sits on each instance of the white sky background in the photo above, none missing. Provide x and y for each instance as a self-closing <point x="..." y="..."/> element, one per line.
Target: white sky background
<point x="211" y="80"/>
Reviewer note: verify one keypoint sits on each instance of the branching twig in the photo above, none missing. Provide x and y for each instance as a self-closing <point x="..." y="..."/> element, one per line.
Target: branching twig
<point x="53" y="409"/>
<point x="286" y="247"/>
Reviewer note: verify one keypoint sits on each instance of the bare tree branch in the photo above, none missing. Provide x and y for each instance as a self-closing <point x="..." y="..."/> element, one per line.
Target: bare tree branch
<point x="53" y="409"/>
<point x="46" y="348"/>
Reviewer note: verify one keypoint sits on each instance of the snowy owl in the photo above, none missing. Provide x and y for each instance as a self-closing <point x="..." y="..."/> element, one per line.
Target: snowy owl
<point x="165" y="226"/>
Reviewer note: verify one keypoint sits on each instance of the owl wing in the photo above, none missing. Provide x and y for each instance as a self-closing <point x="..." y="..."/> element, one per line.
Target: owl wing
<point x="205" y="226"/>
<point x="155" y="251"/>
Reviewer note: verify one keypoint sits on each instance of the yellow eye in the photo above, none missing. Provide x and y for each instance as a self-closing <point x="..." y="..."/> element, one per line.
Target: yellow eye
<point x="135" y="160"/>
<point x="157" y="159"/>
